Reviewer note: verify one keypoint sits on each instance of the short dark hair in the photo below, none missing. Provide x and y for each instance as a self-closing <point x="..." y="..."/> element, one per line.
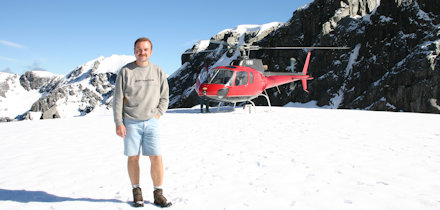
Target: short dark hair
<point x="143" y="39"/>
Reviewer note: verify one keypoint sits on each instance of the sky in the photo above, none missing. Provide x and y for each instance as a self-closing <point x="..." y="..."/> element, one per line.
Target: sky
<point x="58" y="36"/>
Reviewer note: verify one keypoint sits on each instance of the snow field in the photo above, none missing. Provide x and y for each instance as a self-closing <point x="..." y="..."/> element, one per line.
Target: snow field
<point x="288" y="158"/>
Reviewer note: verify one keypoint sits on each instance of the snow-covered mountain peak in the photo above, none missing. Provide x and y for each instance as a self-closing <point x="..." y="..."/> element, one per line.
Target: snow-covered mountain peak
<point x="5" y="75"/>
<point x="103" y="64"/>
<point x="77" y="93"/>
<point x="238" y="32"/>
<point x="257" y="32"/>
<point x="43" y="74"/>
<point x="113" y="63"/>
<point x="201" y="45"/>
<point x="249" y="28"/>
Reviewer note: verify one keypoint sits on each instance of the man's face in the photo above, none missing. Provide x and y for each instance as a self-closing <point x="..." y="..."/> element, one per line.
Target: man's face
<point x="143" y="51"/>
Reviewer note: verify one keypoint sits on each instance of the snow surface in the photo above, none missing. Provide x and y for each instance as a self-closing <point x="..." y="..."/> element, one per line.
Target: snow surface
<point x="287" y="158"/>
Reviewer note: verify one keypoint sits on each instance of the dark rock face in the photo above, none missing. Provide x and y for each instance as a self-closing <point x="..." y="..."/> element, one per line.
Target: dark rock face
<point x="393" y="63"/>
<point x="31" y="81"/>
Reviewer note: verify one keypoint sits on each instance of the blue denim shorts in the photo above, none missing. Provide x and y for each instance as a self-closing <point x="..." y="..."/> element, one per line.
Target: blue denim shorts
<point x="142" y="134"/>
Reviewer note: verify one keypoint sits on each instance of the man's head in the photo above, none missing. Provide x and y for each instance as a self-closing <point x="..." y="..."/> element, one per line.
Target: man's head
<point x="143" y="39"/>
<point x="143" y="48"/>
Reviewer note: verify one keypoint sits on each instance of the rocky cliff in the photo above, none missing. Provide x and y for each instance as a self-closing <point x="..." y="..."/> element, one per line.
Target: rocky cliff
<point x="393" y="63"/>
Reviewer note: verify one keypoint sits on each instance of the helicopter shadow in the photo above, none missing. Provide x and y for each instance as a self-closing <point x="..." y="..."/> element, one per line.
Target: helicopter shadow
<point x="25" y="196"/>
<point x="197" y="110"/>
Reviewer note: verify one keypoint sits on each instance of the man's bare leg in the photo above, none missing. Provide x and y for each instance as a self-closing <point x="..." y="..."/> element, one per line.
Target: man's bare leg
<point x="156" y="170"/>
<point x="133" y="169"/>
<point x="134" y="174"/>
<point x="157" y="177"/>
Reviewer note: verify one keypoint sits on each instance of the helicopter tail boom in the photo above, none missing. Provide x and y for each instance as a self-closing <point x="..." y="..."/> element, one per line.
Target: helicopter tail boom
<point x="306" y="66"/>
<point x="276" y="79"/>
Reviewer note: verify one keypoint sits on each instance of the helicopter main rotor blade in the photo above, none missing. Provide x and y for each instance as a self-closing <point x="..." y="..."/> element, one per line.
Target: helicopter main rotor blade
<point x="301" y="48"/>
<point x="201" y="51"/>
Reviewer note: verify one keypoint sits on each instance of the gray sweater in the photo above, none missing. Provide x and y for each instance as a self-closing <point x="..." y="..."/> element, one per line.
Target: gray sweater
<point x="140" y="93"/>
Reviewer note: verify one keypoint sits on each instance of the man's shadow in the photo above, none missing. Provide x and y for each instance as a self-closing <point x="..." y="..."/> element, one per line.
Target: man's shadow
<point x="24" y="196"/>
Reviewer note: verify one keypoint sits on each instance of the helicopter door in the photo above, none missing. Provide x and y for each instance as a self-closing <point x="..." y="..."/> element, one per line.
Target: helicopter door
<point x="241" y="84"/>
<point x="241" y="78"/>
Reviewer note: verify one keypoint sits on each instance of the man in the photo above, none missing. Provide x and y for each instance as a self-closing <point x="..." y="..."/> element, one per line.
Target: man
<point x="140" y="99"/>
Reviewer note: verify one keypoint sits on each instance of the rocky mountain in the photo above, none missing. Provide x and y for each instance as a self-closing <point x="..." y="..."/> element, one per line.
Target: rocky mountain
<point x="18" y="93"/>
<point x="39" y="94"/>
<point x="393" y="63"/>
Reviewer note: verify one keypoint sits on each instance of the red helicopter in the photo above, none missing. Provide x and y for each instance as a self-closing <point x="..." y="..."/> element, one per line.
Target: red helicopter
<point x="246" y="79"/>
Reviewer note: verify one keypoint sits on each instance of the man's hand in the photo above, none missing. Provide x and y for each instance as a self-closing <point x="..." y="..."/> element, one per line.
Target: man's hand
<point x="157" y="116"/>
<point x="121" y="131"/>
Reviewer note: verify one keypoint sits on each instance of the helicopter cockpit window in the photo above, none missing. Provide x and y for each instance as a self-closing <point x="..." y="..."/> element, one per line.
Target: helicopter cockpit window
<point x="241" y="78"/>
<point x="220" y="76"/>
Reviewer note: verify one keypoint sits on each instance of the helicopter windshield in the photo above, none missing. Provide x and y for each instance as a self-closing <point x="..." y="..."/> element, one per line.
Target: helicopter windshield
<point x="203" y="75"/>
<point x="220" y="76"/>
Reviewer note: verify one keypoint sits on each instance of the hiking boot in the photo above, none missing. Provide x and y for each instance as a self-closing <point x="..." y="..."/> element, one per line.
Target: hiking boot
<point x="137" y="197"/>
<point x="159" y="199"/>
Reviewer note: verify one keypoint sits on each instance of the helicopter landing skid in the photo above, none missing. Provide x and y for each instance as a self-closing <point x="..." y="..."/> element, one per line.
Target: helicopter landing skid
<point x="268" y="100"/>
<point x="252" y="106"/>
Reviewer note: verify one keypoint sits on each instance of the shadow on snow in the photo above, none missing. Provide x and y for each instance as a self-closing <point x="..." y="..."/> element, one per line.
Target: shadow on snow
<point x="24" y="196"/>
<point x="197" y="110"/>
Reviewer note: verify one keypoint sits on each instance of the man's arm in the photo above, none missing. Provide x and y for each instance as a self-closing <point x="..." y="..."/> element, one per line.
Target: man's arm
<point x="118" y="103"/>
<point x="164" y="95"/>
